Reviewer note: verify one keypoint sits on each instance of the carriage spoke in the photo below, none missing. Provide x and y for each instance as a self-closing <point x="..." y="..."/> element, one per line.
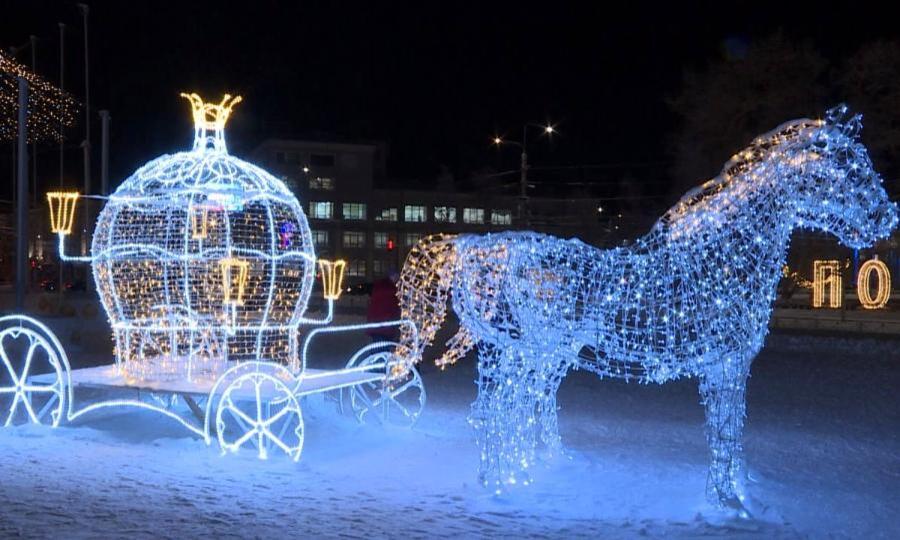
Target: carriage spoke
<point x="12" y="409"/>
<point x="398" y="391"/>
<point x="29" y="409"/>
<point x="285" y="410"/>
<point x="28" y="357"/>
<point x="9" y="369"/>
<point x="47" y="406"/>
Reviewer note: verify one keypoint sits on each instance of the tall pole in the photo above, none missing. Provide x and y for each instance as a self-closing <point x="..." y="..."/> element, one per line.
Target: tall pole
<point x="104" y="152"/>
<point x="33" y="40"/>
<point x="62" y="87"/>
<point x="22" y="196"/>
<point x="62" y="153"/>
<point x="86" y="145"/>
<point x="524" y="217"/>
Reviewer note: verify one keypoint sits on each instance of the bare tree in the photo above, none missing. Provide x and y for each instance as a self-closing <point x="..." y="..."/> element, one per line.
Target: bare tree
<point x="734" y="98"/>
<point x="870" y="82"/>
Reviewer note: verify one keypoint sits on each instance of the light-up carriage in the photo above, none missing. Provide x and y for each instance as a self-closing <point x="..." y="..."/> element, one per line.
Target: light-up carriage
<point x="205" y="266"/>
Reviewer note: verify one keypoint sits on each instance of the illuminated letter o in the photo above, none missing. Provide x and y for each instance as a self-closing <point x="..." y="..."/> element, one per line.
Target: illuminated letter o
<point x="884" y="284"/>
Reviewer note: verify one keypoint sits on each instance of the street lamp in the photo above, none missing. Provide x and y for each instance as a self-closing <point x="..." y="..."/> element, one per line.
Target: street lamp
<point x="547" y="129"/>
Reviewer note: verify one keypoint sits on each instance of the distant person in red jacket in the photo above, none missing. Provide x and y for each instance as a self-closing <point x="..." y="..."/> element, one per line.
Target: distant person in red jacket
<point x="384" y="306"/>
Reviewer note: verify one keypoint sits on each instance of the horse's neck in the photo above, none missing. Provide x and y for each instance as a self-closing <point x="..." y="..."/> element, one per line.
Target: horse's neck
<point x="753" y="226"/>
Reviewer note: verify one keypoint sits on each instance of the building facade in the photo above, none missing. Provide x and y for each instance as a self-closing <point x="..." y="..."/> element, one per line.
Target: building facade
<point x="374" y="228"/>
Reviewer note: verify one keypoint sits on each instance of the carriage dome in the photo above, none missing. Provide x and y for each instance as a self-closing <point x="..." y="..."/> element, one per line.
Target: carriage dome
<point x="201" y="258"/>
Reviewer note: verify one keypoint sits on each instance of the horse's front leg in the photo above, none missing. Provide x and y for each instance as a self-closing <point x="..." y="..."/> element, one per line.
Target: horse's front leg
<point x="723" y="388"/>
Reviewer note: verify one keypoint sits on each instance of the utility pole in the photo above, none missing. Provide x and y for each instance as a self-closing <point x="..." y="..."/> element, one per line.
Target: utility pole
<point x="62" y="153"/>
<point x="104" y="152"/>
<point x="22" y="196"/>
<point x="33" y="40"/>
<point x="86" y="145"/>
<point x="524" y="216"/>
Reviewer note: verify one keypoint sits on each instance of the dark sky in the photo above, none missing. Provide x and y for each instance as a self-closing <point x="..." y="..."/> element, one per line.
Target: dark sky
<point x="435" y="80"/>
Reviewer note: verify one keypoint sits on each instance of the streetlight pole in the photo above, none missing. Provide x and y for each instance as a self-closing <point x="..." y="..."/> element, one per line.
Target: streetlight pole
<point x="524" y="217"/>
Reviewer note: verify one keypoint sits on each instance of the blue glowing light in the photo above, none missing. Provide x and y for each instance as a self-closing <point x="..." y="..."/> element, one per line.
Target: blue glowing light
<point x="692" y="298"/>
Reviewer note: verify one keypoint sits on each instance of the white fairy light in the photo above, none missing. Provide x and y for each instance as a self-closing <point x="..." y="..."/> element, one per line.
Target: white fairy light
<point x="692" y="298"/>
<point x="191" y="264"/>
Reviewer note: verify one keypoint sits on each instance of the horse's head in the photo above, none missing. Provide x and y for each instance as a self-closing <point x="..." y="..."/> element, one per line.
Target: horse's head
<point x="838" y="191"/>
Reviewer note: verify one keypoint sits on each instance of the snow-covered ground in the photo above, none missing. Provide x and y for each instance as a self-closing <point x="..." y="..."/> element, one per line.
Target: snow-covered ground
<point x="821" y="441"/>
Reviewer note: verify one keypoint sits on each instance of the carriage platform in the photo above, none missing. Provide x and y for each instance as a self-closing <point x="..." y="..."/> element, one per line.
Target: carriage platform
<point x="312" y="381"/>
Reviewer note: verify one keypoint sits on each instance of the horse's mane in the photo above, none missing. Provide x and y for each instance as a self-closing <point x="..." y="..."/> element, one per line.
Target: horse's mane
<point x="788" y="133"/>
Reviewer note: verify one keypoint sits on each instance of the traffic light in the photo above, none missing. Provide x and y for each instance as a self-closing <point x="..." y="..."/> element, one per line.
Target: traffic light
<point x="390" y="245"/>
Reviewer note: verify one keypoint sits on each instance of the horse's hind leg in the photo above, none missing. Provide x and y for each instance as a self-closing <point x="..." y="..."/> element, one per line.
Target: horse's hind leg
<point x="723" y="390"/>
<point x="503" y="416"/>
<point x="552" y="373"/>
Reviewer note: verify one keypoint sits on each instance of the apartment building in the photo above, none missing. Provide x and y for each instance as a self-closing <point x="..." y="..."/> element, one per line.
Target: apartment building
<point x="373" y="228"/>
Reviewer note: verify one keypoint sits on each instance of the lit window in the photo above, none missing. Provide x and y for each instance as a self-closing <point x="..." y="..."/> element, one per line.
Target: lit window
<point x="473" y="215"/>
<point x="356" y="268"/>
<point x="321" y="182"/>
<point x="388" y="214"/>
<point x="354" y="210"/>
<point x="320" y="238"/>
<point x="321" y="209"/>
<point x="414" y="213"/>
<point x="501" y="217"/>
<point x="444" y="214"/>
<point x="381" y="240"/>
<point x="411" y="238"/>
<point x="379" y="268"/>
<point x="354" y="239"/>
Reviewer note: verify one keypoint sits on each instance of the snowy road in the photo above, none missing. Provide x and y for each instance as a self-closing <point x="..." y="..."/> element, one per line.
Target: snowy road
<point x="822" y="441"/>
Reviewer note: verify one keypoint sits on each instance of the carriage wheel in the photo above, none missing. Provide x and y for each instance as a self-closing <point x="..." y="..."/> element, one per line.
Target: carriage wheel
<point x="26" y="350"/>
<point x="259" y="411"/>
<point x="398" y="401"/>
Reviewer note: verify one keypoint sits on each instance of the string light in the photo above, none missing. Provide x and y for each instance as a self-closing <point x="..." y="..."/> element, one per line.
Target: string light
<point x="50" y="110"/>
<point x="692" y="298"/>
<point x="884" y="284"/>
<point x="332" y="278"/>
<point x="62" y="211"/>
<point x="191" y="264"/>
<point x="827" y="273"/>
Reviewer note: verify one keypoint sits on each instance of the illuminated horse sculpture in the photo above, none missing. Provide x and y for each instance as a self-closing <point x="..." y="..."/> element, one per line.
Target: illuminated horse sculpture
<point x="693" y="297"/>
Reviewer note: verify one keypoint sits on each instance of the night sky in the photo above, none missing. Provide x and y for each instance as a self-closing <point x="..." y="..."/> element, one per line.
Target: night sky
<point x="435" y="81"/>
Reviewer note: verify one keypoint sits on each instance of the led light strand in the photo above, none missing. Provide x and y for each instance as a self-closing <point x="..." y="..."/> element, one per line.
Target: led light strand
<point x="693" y="297"/>
<point x="884" y="284"/>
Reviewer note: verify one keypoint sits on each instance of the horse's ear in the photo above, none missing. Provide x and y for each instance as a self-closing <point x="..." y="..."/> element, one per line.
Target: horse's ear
<point x="853" y="126"/>
<point x="835" y="116"/>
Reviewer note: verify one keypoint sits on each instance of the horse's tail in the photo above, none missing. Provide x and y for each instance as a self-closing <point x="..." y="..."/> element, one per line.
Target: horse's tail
<point x="423" y="291"/>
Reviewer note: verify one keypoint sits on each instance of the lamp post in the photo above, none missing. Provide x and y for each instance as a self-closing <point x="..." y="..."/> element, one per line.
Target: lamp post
<point x="546" y="129"/>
